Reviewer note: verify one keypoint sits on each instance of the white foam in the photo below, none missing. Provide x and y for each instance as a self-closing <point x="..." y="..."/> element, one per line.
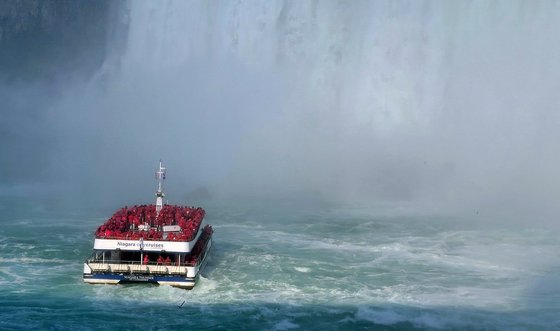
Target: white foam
<point x="206" y="285"/>
<point x="30" y="260"/>
<point x="9" y="277"/>
<point x="302" y="269"/>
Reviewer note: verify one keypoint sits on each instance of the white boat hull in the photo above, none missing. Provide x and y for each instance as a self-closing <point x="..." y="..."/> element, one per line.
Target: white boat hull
<point x="177" y="276"/>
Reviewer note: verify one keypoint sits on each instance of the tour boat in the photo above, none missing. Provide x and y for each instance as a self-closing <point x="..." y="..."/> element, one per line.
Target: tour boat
<point x="162" y="244"/>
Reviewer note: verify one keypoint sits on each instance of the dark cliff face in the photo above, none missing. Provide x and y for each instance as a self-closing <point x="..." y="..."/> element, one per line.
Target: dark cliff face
<point x="48" y="39"/>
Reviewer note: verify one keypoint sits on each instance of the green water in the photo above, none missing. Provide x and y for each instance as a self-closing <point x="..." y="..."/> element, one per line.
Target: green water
<point x="280" y="267"/>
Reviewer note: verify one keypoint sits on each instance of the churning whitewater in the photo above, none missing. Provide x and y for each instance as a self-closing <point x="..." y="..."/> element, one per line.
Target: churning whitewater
<point x="277" y="268"/>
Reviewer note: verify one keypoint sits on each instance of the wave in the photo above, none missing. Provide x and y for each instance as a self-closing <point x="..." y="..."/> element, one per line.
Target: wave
<point x="30" y="260"/>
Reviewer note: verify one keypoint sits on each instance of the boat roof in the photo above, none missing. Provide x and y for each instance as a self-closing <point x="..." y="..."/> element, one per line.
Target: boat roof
<point x="172" y="223"/>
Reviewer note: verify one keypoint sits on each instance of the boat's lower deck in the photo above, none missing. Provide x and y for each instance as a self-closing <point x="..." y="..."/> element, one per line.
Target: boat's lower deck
<point x="119" y="272"/>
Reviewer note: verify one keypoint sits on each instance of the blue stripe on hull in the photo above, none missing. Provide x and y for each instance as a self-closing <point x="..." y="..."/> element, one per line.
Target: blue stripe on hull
<point x="134" y="278"/>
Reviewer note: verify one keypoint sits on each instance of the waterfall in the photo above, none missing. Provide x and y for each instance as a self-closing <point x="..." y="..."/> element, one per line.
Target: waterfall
<point x="378" y="63"/>
<point x="395" y="99"/>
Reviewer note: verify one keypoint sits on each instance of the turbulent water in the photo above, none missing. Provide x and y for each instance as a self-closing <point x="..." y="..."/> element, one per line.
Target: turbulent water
<point x="280" y="267"/>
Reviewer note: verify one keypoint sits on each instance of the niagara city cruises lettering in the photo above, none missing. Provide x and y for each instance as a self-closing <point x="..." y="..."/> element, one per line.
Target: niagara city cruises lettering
<point x="141" y="245"/>
<point x="138" y="278"/>
<point x="145" y="245"/>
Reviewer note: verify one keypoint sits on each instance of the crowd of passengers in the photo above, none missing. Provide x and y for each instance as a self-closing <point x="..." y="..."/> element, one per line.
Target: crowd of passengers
<point x="200" y="244"/>
<point x="190" y="259"/>
<point x="126" y="223"/>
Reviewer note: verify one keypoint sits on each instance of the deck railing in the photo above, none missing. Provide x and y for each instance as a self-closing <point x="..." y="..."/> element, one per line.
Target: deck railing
<point x="136" y="262"/>
<point x="136" y="267"/>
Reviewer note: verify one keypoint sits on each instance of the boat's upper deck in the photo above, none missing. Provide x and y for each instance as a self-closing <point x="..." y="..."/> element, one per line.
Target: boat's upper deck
<point x="174" y="223"/>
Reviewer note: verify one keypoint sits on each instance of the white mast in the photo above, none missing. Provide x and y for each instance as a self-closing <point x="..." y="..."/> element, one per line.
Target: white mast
<point x="160" y="176"/>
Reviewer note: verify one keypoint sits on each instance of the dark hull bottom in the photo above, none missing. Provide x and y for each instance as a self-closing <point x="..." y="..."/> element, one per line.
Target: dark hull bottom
<point x="108" y="278"/>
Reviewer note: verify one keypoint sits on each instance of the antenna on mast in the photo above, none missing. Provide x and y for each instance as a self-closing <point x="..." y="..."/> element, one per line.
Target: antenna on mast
<point x="160" y="177"/>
